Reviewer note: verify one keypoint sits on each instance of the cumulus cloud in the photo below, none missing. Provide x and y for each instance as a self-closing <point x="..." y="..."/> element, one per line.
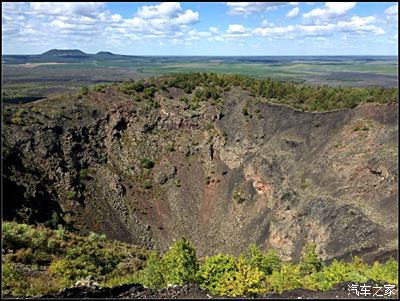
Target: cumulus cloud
<point x="247" y="8"/>
<point x="236" y="29"/>
<point x="163" y="10"/>
<point x="66" y="23"/>
<point x="169" y="23"/>
<point x="293" y="13"/>
<point x="266" y="23"/>
<point x="330" y="11"/>
<point x="66" y="8"/>
<point x="392" y="14"/>
<point x="213" y="29"/>
<point x="360" y="25"/>
<point x="392" y="10"/>
<point x="188" y="17"/>
<point x="356" y="25"/>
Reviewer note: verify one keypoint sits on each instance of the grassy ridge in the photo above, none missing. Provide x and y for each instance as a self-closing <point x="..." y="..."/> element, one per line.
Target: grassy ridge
<point x="210" y="87"/>
<point x="38" y="260"/>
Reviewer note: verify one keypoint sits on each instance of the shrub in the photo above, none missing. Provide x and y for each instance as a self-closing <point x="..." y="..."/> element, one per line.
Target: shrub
<point x="96" y="237"/>
<point x="12" y="281"/>
<point x="149" y="92"/>
<point x="84" y="90"/>
<point x="152" y="275"/>
<point x="16" y="236"/>
<point x="83" y="174"/>
<point x="147" y="184"/>
<point x="238" y="195"/>
<point x="64" y="270"/>
<point x="71" y="195"/>
<point x="99" y="87"/>
<point x="288" y="277"/>
<point x="180" y="263"/>
<point x="170" y="148"/>
<point x="147" y="163"/>
<point x="310" y="262"/>
<point x="246" y="281"/>
<point x="265" y="263"/>
<point x="60" y="232"/>
<point x="184" y="99"/>
<point x="212" y="271"/>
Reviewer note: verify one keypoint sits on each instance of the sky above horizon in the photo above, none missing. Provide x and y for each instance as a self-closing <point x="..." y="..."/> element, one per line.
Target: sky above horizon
<point x="202" y="28"/>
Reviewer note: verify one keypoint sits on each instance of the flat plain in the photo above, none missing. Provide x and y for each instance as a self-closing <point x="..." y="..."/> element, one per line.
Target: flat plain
<point x="31" y="77"/>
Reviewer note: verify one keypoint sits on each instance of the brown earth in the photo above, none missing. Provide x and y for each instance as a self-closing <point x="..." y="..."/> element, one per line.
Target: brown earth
<point x="221" y="179"/>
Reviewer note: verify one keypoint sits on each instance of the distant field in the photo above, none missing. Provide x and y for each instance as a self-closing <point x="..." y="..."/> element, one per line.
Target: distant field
<point x="32" y="77"/>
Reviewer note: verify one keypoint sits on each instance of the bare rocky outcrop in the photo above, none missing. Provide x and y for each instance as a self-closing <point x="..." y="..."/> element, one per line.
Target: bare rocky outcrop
<point x="280" y="178"/>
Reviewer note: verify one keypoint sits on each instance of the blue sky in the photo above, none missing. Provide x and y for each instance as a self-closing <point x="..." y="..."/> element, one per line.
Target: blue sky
<point x="202" y="28"/>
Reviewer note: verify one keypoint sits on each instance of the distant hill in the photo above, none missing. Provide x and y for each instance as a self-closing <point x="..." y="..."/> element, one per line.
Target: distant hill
<point x="65" y="53"/>
<point x="104" y="53"/>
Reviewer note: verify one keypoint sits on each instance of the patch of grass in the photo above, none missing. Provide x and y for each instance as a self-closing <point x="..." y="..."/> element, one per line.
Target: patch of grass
<point x="147" y="184"/>
<point x="84" y="174"/>
<point x="71" y="195"/>
<point x="147" y="163"/>
<point x="238" y="195"/>
<point x="362" y="125"/>
<point x="17" y="119"/>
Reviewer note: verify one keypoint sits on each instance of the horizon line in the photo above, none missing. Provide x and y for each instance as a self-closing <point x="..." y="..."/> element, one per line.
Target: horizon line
<point x="212" y="55"/>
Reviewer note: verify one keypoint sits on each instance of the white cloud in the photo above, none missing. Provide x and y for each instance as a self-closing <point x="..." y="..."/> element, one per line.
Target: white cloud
<point x="274" y="31"/>
<point x="360" y="25"/>
<point x="247" y="8"/>
<point x="116" y="18"/>
<point x="236" y="29"/>
<point x="60" y="24"/>
<point x="330" y="11"/>
<point x="163" y="10"/>
<point x="66" y="8"/>
<point x="188" y="17"/>
<point x="317" y="30"/>
<point x="266" y="23"/>
<point x="67" y="23"/>
<point x="169" y="23"/>
<point x="213" y="29"/>
<point x="392" y="15"/>
<point x="293" y="13"/>
<point x="393" y="10"/>
<point x="356" y="25"/>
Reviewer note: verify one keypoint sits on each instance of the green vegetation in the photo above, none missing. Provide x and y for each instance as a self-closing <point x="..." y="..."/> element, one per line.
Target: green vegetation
<point x="17" y="119"/>
<point x="84" y="90"/>
<point x="238" y="195"/>
<point x="147" y="163"/>
<point x="99" y="87"/>
<point x="362" y="125"/>
<point x="64" y="256"/>
<point x="71" y="195"/>
<point x="40" y="261"/>
<point x="84" y="174"/>
<point x="209" y="86"/>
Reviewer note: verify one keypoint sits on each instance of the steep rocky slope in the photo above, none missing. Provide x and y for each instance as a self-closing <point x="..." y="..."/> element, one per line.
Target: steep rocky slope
<point x="222" y="175"/>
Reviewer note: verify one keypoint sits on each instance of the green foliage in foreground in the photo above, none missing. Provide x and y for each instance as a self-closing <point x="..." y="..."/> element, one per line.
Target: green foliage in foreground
<point x="44" y="261"/>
